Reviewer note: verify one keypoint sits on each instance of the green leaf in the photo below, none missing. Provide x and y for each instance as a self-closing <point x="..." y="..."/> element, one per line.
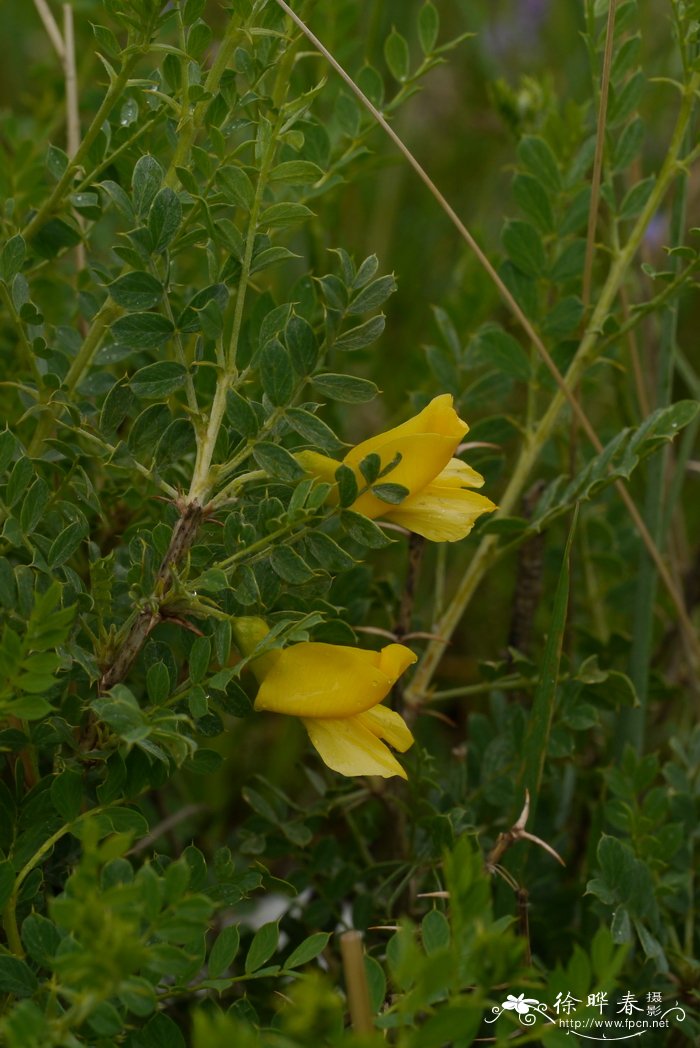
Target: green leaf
<point x="345" y="388"/>
<point x="564" y="318"/>
<point x="64" y="545"/>
<point x="16" y="977"/>
<point x="236" y="186"/>
<point x="161" y="1032"/>
<point x="295" y="173"/>
<point x="276" y="373"/>
<point x="12" y="259"/>
<point x="435" y="931"/>
<point x="535" y="154"/>
<point x="629" y="144"/>
<point x="164" y="218"/>
<point x="533" y="198"/>
<point x="67" y="794"/>
<point x="372" y="296"/>
<point x="363" y="530"/>
<point x="158" y="683"/>
<point x="136" y="291"/>
<point x="56" y="162"/>
<point x="8" y="446"/>
<point x="34" y="505"/>
<point x="539" y="724"/>
<point x="142" y="330"/>
<point x="270" y="256"/>
<point x="289" y="566"/>
<point x="376" y="982"/>
<point x="277" y="461"/>
<point x="199" y="659"/>
<point x="371" y="467"/>
<point x="636" y="198"/>
<point x="240" y="414"/>
<point x="328" y="553"/>
<point x="302" y="345"/>
<point x="277" y="216"/>
<point x="262" y="947"/>
<point x="313" y="429"/>
<point x="145" y="183"/>
<point x="361" y="336"/>
<point x="569" y="264"/>
<point x="393" y="494"/>
<point x="307" y="950"/>
<point x="502" y="351"/>
<point x="41" y="938"/>
<point x="224" y="951"/>
<point x="7" y="881"/>
<point x="396" y="55"/>
<point x="428" y="27"/>
<point x="524" y="246"/>
<point x="21" y="475"/>
<point x="347" y="485"/>
<point x="158" y="380"/>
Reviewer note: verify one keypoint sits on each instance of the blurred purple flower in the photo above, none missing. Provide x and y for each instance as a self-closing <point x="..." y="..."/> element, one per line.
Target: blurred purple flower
<point x="516" y="25"/>
<point x="656" y="235"/>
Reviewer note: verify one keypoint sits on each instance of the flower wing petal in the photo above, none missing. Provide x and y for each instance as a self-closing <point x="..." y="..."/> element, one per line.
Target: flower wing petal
<point x="349" y="748"/>
<point x="459" y="474"/>
<point x="441" y="513"/>
<point x="388" y="725"/>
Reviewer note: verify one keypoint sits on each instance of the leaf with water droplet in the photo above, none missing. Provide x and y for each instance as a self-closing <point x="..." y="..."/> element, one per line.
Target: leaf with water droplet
<point x="129" y="112"/>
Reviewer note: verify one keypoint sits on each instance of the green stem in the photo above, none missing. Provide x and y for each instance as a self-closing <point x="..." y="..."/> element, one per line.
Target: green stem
<point x="23" y="340"/>
<point x="62" y="186"/>
<point x="190" y="124"/>
<point x="201" y="478"/>
<point x="10" y="913"/>
<point x="515" y="683"/>
<point x="100" y="324"/>
<point x="586" y="353"/>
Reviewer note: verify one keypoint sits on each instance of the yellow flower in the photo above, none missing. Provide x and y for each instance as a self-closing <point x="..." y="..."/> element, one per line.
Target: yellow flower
<point x="439" y="505"/>
<point x="337" y="692"/>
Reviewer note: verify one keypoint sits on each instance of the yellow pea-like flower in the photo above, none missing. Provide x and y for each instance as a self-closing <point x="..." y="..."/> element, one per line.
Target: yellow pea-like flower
<point x="440" y="504"/>
<point x="337" y="692"/>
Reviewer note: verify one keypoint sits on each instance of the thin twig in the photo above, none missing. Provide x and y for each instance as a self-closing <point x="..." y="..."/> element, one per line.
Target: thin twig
<point x="598" y="158"/>
<point x="166" y="826"/>
<point x="72" y="116"/>
<point x="51" y="27"/>
<point x="72" y="111"/>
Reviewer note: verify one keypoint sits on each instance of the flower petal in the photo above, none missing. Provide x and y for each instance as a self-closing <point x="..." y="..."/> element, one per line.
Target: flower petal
<point x="388" y="725"/>
<point x="318" y="465"/>
<point x="459" y="474"/>
<point x="349" y="748"/>
<point x="445" y="510"/>
<point x="438" y="417"/>
<point x="395" y="659"/>
<point x="330" y="680"/>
